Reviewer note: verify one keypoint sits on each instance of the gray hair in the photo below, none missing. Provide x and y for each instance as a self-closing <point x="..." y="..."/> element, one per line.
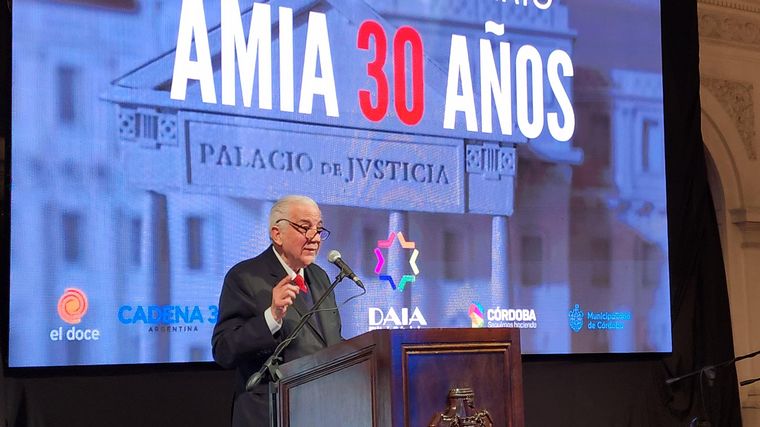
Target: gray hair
<point x="281" y="208"/>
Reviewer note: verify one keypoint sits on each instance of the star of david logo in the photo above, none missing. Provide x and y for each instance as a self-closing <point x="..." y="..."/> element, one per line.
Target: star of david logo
<point x="409" y="246"/>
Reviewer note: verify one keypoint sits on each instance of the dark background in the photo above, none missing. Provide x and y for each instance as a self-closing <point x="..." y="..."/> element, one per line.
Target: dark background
<point x="608" y="390"/>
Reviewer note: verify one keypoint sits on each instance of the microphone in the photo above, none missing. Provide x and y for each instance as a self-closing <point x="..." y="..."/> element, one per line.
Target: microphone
<point x="334" y="257"/>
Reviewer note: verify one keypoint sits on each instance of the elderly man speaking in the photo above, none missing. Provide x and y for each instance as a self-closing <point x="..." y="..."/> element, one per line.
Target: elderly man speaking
<point x="263" y="299"/>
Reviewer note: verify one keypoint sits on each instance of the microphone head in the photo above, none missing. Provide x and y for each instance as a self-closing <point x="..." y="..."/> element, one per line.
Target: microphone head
<point x="333" y="256"/>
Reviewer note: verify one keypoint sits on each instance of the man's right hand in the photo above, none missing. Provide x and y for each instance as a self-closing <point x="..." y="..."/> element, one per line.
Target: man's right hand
<point x="283" y="295"/>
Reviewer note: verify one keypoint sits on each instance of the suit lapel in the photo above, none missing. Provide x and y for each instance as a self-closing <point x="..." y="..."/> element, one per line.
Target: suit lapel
<point x="300" y="305"/>
<point x="278" y="272"/>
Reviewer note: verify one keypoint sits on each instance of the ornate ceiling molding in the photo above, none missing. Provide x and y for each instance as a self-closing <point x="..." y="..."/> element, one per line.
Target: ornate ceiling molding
<point x="736" y="5"/>
<point x="729" y="27"/>
<point x="736" y="98"/>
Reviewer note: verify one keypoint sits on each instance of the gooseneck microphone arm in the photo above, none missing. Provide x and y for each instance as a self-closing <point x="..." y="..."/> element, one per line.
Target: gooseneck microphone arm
<point x="709" y="370"/>
<point x="271" y="365"/>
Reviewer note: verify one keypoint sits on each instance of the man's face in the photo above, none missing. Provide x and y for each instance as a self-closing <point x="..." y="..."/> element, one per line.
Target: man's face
<point x="294" y="247"/>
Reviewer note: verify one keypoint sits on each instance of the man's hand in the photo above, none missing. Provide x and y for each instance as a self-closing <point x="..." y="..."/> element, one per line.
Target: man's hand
<point x="283" y="295"/>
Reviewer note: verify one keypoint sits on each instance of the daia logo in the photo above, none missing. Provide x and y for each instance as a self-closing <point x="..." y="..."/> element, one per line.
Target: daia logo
<point x="378" y="319"/>
<point x="72" y="306"/>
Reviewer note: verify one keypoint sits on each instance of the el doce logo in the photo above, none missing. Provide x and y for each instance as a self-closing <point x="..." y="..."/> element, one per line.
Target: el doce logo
<point x="72" y="306"/>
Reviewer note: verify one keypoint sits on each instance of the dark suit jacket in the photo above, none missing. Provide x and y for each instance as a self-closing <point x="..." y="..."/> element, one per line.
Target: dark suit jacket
<point x="242" y="339"/>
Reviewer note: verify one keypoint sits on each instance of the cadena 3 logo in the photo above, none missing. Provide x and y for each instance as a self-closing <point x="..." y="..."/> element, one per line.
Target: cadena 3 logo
<point x="413" y="254"/>
<point x="72" y="306"/>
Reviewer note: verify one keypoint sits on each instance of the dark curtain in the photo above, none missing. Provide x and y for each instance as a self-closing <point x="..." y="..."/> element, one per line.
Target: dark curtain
<point x="586" y="391"/>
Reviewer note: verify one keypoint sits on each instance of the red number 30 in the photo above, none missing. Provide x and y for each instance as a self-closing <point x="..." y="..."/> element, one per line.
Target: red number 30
<point x="404" y="35"/>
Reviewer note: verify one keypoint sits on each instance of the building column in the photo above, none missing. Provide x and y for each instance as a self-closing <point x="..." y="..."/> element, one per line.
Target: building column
<point x="742" y="253"/>
<point x="158" y="263"/>
<point x="500" y="260"/>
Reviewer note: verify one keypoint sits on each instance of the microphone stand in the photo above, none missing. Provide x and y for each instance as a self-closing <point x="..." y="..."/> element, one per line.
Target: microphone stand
<point x="272" y="364"/>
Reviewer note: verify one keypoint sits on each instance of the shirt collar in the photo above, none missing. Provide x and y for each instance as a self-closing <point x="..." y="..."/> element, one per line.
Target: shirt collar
<point x="288" y="270"/>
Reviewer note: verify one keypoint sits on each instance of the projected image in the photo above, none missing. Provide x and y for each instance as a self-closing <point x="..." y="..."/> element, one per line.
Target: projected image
<point x="480" y="163"/>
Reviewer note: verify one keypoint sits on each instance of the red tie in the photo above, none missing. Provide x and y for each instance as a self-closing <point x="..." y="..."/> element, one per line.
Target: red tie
<point x="301" y="283"/>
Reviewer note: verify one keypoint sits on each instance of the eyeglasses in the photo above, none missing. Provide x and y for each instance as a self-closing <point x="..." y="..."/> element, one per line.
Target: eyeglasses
<point x="309" y="233"/>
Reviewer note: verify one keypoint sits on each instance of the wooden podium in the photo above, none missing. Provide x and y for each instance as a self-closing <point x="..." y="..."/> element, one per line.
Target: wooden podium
<point x="402" y="378"/>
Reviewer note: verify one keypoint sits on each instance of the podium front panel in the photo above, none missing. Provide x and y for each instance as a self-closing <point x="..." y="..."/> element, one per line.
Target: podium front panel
<point x="336" y="387"/>
<point x="335" y="397"/>
<point x="431" y="370"/>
